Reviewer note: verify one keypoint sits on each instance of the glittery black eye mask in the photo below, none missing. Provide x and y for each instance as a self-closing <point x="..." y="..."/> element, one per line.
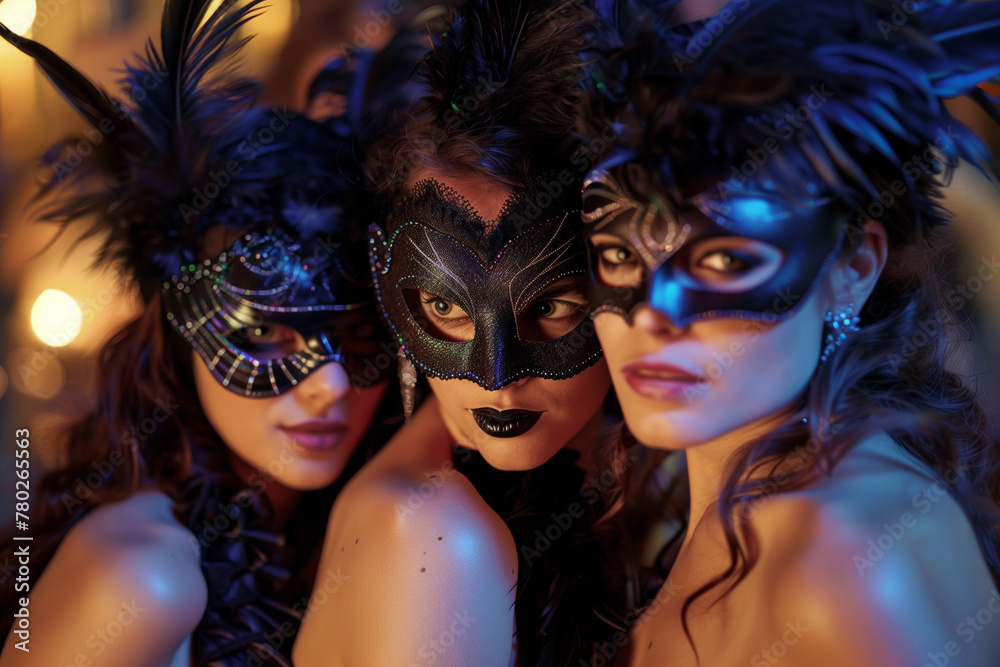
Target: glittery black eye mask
<point x="436" y="243"/>
<point x="263" y="282"/>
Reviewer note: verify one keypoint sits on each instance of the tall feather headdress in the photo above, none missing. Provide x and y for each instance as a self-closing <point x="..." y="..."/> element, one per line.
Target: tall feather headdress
<point x="184" y="149"/>
<point x="845" y="96"/>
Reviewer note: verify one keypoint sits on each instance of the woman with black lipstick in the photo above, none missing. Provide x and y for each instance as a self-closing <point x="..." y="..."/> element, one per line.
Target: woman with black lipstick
<point x="480" y="271"/>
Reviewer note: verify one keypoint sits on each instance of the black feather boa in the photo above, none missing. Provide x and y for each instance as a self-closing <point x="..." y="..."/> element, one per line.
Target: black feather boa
<point x="567" y="596"/>
<point x="254" y="601"/>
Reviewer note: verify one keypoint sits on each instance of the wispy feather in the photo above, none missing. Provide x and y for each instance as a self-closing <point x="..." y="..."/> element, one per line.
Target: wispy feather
<point x="870" y="75"/>
<point x="181" y="119"/>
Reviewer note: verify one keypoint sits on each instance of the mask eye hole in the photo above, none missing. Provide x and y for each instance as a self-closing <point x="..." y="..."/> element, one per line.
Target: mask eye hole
<point x="440" y="317"/>
<point x="615" y="262"/>
<point x="729" y="263"/>
<point x="268" y="340"/>
<point x="555" y="312"/>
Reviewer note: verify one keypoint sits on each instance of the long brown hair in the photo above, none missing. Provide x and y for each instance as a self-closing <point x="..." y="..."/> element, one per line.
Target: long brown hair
<point x="144" y="432"/>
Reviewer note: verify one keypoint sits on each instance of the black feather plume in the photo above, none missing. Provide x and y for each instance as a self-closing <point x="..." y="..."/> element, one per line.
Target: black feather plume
<point x="505" y="75"/>
<point x="162" y="172"/>
<point x="867" y="79"/>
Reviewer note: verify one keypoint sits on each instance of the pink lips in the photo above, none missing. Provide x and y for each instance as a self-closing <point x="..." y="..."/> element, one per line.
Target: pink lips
<point x="317" y="435"/>
<point x="659" y="381"/>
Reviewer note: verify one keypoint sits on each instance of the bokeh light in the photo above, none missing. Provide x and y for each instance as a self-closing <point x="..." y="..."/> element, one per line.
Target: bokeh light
<point x="56" y="318"/>
<point x="36" y="373"/>
<point x="18" y="15"/>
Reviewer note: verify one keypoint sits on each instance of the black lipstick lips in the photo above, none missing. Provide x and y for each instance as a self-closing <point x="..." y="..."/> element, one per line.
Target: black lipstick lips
<point x="505" y="423"/>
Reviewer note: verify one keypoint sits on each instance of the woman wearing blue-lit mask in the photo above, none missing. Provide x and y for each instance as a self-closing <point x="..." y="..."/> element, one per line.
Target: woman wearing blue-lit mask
<point x="759" y="248"/>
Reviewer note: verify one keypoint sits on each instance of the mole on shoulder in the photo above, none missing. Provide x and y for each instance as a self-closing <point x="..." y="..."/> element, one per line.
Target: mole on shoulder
<point x="355" y="541"/>
<point x="423" y="569"/>
<point x="440" y="538"/>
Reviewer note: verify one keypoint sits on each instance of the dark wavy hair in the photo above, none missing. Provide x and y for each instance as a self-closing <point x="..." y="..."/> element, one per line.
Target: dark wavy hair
<point x="500" y="92"/>
<point x="111" y="454"/>
<point x="140" y="367"/>
<point x="138" y="192"/>
<point x="699" y="99"/>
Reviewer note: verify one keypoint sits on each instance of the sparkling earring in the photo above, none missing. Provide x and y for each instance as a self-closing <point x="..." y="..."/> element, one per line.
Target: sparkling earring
<point x="407" y="383"/>
<point x="838" y="327"/>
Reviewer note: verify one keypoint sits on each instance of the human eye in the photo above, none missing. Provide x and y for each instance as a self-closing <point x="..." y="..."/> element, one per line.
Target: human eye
<point x="555" y="309"/>
<point x="556" y="312"/>
<point x="730" y="263"/>
<point x="440" y="307"/>
<point x="269" y="340"/>
<point x="616" y="263"/>
<point x="445" y="319"/>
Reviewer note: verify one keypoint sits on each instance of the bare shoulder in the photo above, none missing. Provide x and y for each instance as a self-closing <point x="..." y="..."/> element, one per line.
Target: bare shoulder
<point x="869" y="554"/>
<point x="438" y="510"/>
<point x="411" y="494"/>
<point x="425" y="568"/>
<point x="124" y="587"/>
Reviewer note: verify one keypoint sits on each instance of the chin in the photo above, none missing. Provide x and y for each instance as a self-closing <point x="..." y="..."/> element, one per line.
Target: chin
<point x="512" y="461"/>
<point x="309" y="475"/>
<point x="522" y="453"/>
<point x="660" y="429"/>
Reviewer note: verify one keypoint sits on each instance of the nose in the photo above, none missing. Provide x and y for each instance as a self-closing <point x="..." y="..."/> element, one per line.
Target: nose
<point x="323" y="388"/>
<point x="652" y="321"/>
<point x="492" y="356"/>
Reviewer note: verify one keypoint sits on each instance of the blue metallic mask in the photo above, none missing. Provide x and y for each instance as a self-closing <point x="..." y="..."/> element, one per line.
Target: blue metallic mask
<point x="748" y="253"/>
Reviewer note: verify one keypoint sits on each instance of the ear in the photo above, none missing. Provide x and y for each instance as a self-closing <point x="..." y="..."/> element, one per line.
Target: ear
<point x="854" y="277"/>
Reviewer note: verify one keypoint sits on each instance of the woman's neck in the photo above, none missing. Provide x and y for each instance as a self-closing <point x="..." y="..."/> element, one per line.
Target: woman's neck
<point x="708" y="465"/>
<point x="282" y="499"/>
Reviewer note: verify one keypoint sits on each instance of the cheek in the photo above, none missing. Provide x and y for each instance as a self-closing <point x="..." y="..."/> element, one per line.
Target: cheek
<point x="452" y="396"/>
<point x="757" y="370"/>
<point x="580" y="396"/>
<point x="363" y="404"/>
<point x="240" y="421"/>
<point x="776" y="359"/>
<point x="612" y="331"/>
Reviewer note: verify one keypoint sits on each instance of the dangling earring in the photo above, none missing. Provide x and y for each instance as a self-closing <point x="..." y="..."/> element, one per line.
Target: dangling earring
<point x="407" y="383"/>
<point x="838" y="327"/>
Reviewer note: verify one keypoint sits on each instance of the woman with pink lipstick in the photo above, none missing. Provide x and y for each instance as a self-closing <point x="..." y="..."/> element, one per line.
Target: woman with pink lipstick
<point x="183" y="527"/>
<point x="483" y="554"/>
<point x="765" y="290"/>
